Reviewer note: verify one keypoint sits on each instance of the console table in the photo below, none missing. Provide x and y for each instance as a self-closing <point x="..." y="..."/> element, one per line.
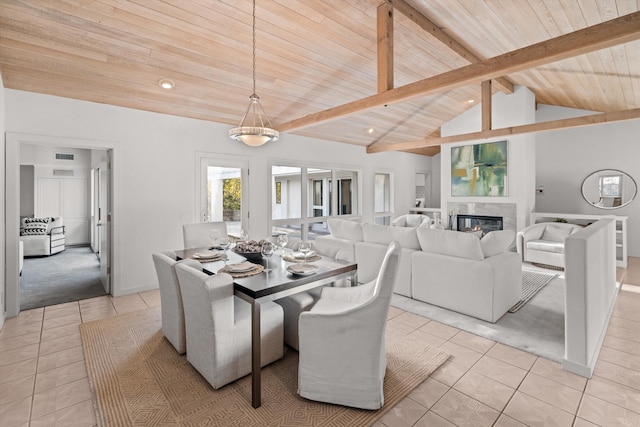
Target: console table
<point x="621" y="228"/>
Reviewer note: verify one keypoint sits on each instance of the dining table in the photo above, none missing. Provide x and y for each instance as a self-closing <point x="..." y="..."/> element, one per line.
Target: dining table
<point x="271" y="284"/>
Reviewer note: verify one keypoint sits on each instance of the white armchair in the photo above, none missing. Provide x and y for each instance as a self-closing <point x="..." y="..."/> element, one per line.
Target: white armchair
<point x="218" y="326"/>
<point x="201" y="234"/>
<point x="342" y="341"/>
<point x="411" y="220"/>
<point x="170" y="300"/>
<point x="42" y="236"/>
<point x="543" y="243"/>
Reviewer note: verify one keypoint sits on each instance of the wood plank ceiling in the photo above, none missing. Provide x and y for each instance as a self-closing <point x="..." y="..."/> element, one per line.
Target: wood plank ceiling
<point x="311" y="56"/>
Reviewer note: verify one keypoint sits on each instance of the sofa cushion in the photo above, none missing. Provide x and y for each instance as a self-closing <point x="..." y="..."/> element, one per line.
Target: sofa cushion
<point x="345" y="229"/>
<point x="452" y="243"/>
<point x="374" y="233"/>
<point x="546" y="246"/>
<point x="556" y="232"/>
<point x="496" y="242"/>
<point x="406" y="236"/>
<point x="34" y="226"/>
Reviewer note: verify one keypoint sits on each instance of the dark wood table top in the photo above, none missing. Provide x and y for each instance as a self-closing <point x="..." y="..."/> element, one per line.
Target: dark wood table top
<point x="277" y="280"/>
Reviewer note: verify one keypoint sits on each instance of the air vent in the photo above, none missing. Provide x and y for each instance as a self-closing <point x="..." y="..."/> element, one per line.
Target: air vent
<point x="63" y="156"/>
<point x="62" y="172"/>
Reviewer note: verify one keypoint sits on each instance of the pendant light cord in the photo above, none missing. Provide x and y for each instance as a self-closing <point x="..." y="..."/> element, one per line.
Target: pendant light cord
<point x="254" y="46"/>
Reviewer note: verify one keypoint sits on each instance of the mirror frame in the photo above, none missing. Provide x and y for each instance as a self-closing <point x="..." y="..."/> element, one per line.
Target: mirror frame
<point x="595" y="173"/>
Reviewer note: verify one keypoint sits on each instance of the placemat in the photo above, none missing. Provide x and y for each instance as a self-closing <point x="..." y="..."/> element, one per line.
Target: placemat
<point x="259" y="269"/>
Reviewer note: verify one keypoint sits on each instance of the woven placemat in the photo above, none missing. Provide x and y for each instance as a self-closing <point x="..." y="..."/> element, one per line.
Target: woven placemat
<point x="291" y="258"/>
<point x="203" y="260"/>
<point x="257" y="270"/>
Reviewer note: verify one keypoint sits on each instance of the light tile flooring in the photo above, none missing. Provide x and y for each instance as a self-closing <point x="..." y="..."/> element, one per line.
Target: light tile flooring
<point x="43" y="380"/>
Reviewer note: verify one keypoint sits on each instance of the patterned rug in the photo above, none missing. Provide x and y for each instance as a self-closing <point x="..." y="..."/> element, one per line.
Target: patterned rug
<point x="532" y="283"/>
<point x="138" y="379"/>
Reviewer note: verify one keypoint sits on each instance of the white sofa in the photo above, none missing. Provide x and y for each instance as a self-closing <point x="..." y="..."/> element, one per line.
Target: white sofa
<point x="543" y="243"/>
<point x="411" y="220"/>
<point x="453" y="270"/>
<point x="42" y="236"/>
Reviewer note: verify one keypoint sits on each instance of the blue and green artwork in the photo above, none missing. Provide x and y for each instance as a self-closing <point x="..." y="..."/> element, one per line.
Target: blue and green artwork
<point x="479" y="169"/>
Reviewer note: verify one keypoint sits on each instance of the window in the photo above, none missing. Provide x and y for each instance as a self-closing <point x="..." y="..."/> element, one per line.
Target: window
<point x="610" y="186"/>
<point x="382" y="199"/>
<point x="304" y="197"/>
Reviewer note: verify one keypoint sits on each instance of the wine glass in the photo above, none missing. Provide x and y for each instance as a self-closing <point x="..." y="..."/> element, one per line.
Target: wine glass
<point x="305" y="248"/>
<point x="267" y="251"/>
<point x="224" y="243"/>
<point x="214" y="236"/>
<point x="244" y="235"/>
<point x="282" y="241"/>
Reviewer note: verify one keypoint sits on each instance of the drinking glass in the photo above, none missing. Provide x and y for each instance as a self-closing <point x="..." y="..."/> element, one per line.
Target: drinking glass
<point x="244" y="235"/>
<point x="214" y="236"/>
<point x="267" y="251"/>
<point x="305" y="248"/>
<point x="282" y="241"/>
<point x="224" y="243"/>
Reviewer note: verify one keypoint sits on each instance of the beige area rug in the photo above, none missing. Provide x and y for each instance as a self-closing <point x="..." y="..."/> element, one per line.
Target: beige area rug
<point x="139" y="380"/>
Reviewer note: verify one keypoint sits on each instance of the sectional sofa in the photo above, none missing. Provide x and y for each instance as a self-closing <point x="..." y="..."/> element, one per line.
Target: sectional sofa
<point x="457" y="271"/>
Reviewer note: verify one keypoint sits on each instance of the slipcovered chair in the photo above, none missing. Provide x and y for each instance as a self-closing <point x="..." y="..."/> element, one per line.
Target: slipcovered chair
<point x="42" y="236"/>
<point x="170" y="300"/>
<point x="543" y="243"/>
<point x="218" y="326"/>
<point x="411" y="220"/>
<point x="342" y="341"/>
<point x="202" y="234"/>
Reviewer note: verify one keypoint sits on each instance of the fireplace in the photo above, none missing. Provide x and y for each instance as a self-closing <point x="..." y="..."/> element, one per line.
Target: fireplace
<point x="479" y="223"/>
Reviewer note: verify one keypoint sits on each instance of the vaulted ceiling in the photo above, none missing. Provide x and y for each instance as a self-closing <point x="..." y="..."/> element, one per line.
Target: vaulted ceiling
<point x="312" y="56"/>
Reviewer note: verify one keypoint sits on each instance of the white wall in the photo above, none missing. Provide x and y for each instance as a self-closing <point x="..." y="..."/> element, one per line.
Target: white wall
<point x="158" y="171"/>
<point x="566" y="157"/>
<point x="507" y="110"/>
<point x="2" y="210"/>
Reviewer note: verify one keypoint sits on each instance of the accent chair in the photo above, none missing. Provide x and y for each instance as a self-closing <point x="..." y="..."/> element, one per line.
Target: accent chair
<point x="218" y="326"/>
<point x="342" y="341"/>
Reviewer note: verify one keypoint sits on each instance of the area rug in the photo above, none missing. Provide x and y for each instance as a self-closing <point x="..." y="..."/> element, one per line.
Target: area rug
<point x="537" y="328"/>
<point x="532" y="283"/>
<point x="138" y="379"/>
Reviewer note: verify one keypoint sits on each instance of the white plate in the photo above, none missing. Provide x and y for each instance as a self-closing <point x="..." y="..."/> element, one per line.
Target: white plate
<point x="242" y="267"/>
<point x="208" y="255"/>
<point x="302" y="269"/>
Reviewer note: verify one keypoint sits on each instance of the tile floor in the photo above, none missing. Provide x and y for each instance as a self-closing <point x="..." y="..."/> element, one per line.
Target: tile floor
<point x="43" y="380"/>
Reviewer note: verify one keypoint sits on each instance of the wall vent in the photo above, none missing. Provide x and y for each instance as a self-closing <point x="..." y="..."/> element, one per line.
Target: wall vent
<point x="64" y="156"/>
<point x="63" y="172"/>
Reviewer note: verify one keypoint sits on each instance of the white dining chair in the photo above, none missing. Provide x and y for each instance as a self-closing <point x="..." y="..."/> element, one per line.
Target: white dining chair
<point x="342" y="341"/>
<point x="218" y="326"/>
<point x="202" y="234"/>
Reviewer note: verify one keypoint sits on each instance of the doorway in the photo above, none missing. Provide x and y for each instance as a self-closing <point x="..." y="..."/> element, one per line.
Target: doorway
<point x="79" y="223"/>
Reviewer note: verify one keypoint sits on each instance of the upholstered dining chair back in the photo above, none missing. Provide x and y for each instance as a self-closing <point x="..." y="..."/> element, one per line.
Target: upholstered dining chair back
<point x="342" y="341"/>
<point x="170" y="299"/>
<point x="218" y="327"/>
<point x="202" y="234"/>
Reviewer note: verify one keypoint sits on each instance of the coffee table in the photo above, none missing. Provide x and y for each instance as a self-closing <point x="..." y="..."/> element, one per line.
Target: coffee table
<point x="271" y="286"/>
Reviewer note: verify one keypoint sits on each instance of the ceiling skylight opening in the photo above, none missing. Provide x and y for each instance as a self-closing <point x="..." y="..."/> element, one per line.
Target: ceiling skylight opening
<point x="166" y="84"/>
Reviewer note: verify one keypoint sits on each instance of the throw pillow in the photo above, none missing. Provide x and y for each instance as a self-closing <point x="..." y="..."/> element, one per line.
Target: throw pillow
<point x="452" y="243"/>
<point x="496" y="242"/>
<point x="556" y="232"/>
<point x="34" y="226"/>
<point x="406" y="236"/>
<point x="375" y="233"/>
<point x="345" y="229"/>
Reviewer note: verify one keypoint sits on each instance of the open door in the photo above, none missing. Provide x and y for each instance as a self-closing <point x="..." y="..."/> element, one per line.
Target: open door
<point x="103" y="223"/>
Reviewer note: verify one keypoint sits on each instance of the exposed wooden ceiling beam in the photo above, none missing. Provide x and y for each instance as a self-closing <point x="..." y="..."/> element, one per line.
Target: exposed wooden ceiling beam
<point x="486" y="105"/>
<point x="590" y="120"/>
<point x="433" y="29"/>
<point x="385" y="47"/>
<point x="610" y="33"/>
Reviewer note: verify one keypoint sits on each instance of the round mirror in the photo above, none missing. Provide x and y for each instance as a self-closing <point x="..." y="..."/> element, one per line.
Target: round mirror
<point x="609" y="189"/>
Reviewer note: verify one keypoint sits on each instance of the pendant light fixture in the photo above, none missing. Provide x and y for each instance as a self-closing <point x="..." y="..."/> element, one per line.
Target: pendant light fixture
<point x="254" y="132"/>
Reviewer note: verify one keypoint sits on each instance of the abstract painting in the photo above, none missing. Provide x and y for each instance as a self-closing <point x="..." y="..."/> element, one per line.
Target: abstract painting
<point x="479" y="169"/>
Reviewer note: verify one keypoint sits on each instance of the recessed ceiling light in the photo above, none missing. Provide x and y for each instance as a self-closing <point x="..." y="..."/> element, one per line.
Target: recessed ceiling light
<point x="471" y="101"/>
<point x="370" y="130"/>
<point x="166" y="83"/>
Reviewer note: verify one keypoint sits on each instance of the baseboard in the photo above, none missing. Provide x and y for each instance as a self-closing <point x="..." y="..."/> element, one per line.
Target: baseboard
<point x="129" y="291"/>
